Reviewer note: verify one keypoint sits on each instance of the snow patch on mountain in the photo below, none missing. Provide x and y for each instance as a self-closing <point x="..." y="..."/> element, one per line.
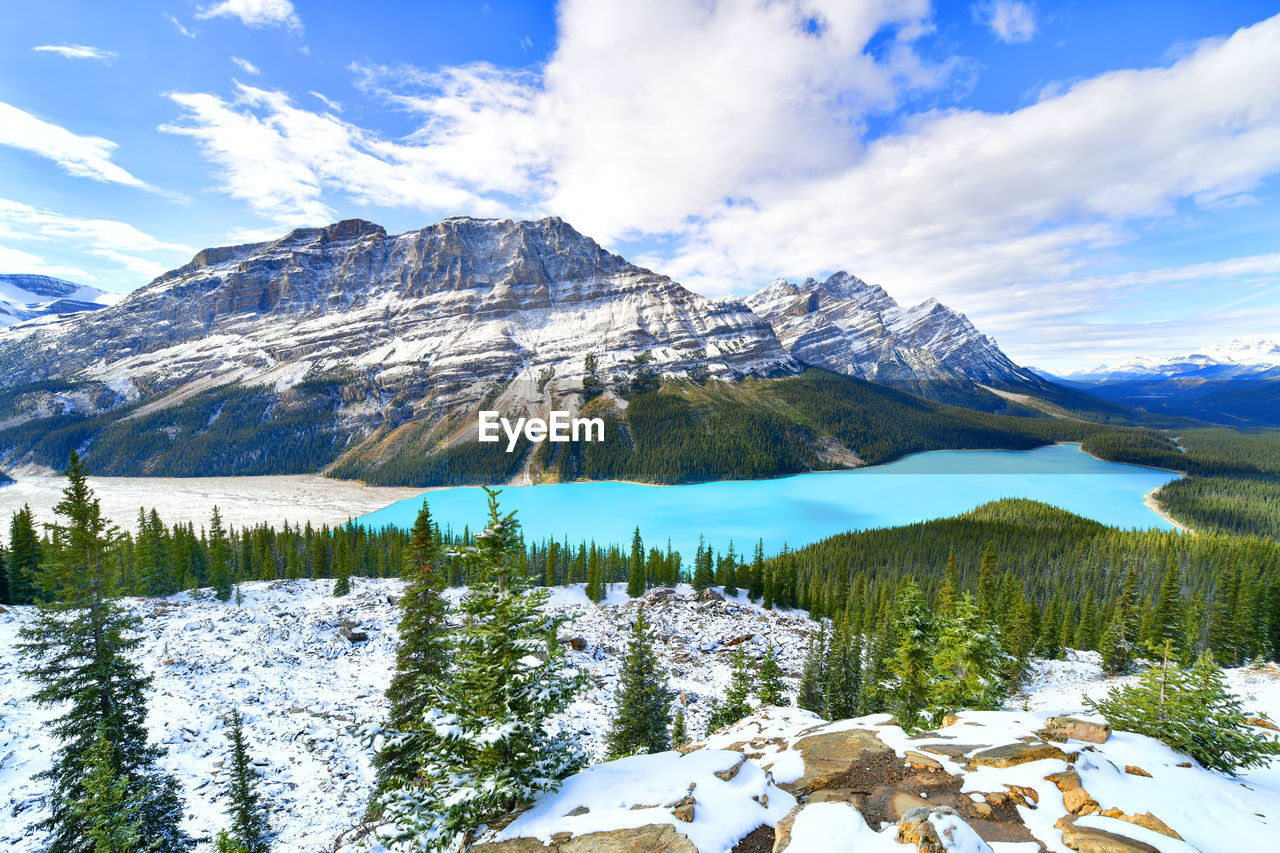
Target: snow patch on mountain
<point x="25" y="298"/>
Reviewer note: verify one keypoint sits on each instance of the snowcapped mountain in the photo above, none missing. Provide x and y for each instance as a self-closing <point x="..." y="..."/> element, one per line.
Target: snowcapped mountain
<point x="849" y="326"/>
<point x="30" y="297"/>
<point x="1229" y="360"/>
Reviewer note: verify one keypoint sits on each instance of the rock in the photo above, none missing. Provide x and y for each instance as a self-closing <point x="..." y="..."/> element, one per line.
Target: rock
<point x="514" y="845"/>
<point x="729" y="772"/>
<point x="920" y="761"/>
<point x="1262" y="722"/>
<point x="653" y="838"/>
<point x="578" y="644"/>
<point x="353" y="635"/>
<point x="1067" y="780"/>
<point x="708" y="594"/>
<point x="1078" y="802"/>
<point x="782" y="832"/>
<point x="1134" y="770"/>
<point x="1066" y="728"/>
<point x="951" y="750"/>
<point x="1087" y="839"/>
<point x="684" y="809"/>
<point x="1146" y="820"/>
<point x="833" y="759"/>
<point x="737" y="641"/>
<point x="938" y="830"/>
<point x="580" y="810"/>
<point x="1013" y="754"/>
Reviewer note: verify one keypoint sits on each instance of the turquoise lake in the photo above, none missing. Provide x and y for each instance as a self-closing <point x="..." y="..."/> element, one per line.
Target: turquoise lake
<point x="804" y="508"/>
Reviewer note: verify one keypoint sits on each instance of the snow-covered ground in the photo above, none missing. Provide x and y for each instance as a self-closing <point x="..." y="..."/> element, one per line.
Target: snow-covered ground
<point x="283" y="660"/>
<point x="243" y="501"/>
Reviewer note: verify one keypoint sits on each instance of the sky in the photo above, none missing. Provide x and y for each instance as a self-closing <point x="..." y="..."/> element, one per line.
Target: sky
<point x="1087" y="181"/>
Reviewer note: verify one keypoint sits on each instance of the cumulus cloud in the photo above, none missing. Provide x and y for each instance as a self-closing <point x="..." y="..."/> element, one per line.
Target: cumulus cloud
<point x="77" y="51"/>
<point x="1010" y="20"/>
<point x="255" y="13"/>
<point x="734" y="136"/>
<point x="245" y="65"/>
<point x="119" y="243"/>
<point x="82" y="156"/>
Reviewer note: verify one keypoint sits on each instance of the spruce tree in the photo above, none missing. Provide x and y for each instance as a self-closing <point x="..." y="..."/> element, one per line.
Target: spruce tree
<point x="485" y="750"/>
<point x="1167" y="617"/>
<point x="812" y="694"/>
<point x="1119" y="642"/>
<point x="220" y="575"/>
<point x="679" y="736"/>
<point x="24" y="557"/>
<point x="640" y="718"/>
<point x="79" y="650"/>
<point x="342" y="564"/>
<point x="967" y="661"/>
<point x="250" y="830"/>
<point x="109" y="814"/>
<point x="702" y="574"/>
<point x="770" y="689"/>
<point x="420" y="659"/>
<point x="736" y="701"/>
<point x="911" y="659"/>
<point x="841" y="687"/>
<point x="1191" y="710"/>
<point x="635" y="567"/>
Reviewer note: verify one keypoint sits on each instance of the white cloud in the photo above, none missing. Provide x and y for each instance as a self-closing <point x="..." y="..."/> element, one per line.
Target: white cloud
<point x="245" y="65"/>
<point x="333" y="105"/>
<point x="182" y="29"/>
<point x="119" y="243"/>
<point x="77" y="51"/>
<point x="1010" y="20"/>
<point x="255" y="13"/>
<point x="82" y="156"/>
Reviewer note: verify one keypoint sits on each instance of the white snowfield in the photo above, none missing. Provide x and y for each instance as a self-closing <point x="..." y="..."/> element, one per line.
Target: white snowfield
<point x="304" y="668"/>
<point x="242" y="501"/>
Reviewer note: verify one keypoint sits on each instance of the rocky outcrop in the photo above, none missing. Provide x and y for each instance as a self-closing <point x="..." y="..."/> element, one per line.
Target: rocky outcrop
<point x="847" y="325"/>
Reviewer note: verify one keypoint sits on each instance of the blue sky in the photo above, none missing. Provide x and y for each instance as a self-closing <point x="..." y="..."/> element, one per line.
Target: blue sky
<point x="1087" y="181"/>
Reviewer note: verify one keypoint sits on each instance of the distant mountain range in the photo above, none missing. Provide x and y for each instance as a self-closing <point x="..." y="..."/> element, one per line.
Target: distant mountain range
<point x="31" y="297"/>
<point x="351" y="348"/>
<point x="1235" y="383"/>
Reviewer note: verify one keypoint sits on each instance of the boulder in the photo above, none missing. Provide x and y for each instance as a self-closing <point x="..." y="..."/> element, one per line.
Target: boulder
<point x="514" y="845"/>
<point x="1146" y="820"/>
<point x="353" y="635"/>
<point x="578" y="644"/>
<point x="654" y="838"/>
<point x="1087" y="839"/>
<point x="1262" y="722"/>
<point x="1134" y="770"/>
<point x="708" y="594"/>
<point x="1067" y="728"/>
<point x="938" y="830"/>
<point x="854" y="758"/>
<point x="1013" y="754"/>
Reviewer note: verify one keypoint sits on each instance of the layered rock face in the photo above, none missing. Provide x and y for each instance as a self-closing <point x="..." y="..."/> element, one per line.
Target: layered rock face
<point x="433" y="316"/>
<point x="849" y="326"/>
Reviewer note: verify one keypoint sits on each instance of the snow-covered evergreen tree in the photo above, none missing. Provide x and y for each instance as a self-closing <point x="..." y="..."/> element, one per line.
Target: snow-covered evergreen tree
<point x="79" y="650"/>
<point x="812" y="694"/>
<point x="770" y="690"/>
<point x="736" y="702"/>
<point x="420" y="660"/>
<point x="966" y="665"/>
<point x="485" y="746"/>
<point x="641" y="718"/>
<point x="250" y="830"/>
<point x="1191" y="710"/>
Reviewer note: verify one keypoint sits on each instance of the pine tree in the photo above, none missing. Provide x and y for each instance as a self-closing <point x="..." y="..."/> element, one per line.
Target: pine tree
<point x="220" y="576"/>
<point x="702" y="575"/>
<point x="770" y="689"/>
<point x="755" y="588"/>
<point x="679" y="736"/>
<point x="812" y="695"/>
<point x="250" y="830"/>
<point x="911" y="659"/>
<point x="107" y="812"/>
<point x="967" y="661"/>
<point x="79" y="650"/>
<point x="24" y="557"/>
<point x="989" y="584"/>
<point x="946" y="600"/>
<point x="1167" y="617"/>
<point x="735" y="705"/>
<point x="641" y="719"/>
<point x="420" y="660"/>
<point x="342" y="564"/>
<point x="485" y="750"/>
<point x="1119" y="642"/>
<point x="841" y="685"/>
<point x="635" y="567"/>
<point x="1191" y="710"/>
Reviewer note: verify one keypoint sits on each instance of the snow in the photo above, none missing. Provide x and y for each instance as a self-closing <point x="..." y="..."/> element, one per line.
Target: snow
<point x="302" y="687"/>
<point x="838" y="827"/>
<point x="243" y="501"/>
<point x="642" y="790"/>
